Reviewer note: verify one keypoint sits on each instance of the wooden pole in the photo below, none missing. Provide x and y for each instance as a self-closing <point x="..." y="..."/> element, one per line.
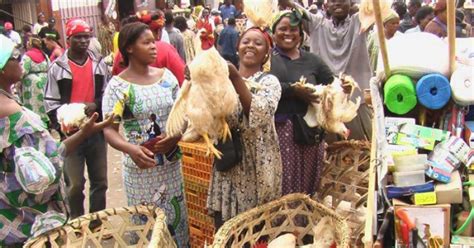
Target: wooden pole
<point x="451" y="9"/>
<point x="381" y="36"/>
<point x="371" y="211"/>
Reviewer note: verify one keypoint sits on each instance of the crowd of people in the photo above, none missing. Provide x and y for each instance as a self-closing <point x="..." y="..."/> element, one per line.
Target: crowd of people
<point x="142" y="65"/>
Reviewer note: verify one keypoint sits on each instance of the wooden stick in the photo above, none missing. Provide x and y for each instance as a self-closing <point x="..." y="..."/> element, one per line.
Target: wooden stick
<point x="369" y="221"/>
<point x="451" y="9"/>
<point x="381" y="36"/>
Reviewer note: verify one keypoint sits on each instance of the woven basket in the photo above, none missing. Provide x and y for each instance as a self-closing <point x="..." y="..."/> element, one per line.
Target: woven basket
<point x="294" y="213"/>
<point x="345" y="178"/>
<point x="116" y="222"/>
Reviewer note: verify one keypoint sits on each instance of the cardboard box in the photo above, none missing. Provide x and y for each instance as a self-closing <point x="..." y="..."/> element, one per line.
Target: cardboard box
<point x="412" y="140"/>
<point x="425" y="132"/>
<point x="433" y="219"/>
<point x="450" y="193"/>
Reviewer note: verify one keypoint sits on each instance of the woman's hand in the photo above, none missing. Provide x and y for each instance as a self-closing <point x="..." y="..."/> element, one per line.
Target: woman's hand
<point x="306" y="94"/>
<point x="92" y="127"/>
<point x="166" y="144"/>
<point x="347" y="87"/>
<point x="233" y="72"/>
<point x="142" y="157"/>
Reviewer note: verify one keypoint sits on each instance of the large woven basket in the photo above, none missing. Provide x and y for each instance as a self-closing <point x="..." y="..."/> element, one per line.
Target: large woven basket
<point x="345" y="179"/>
<point x="294" y="213"/>
<point x="116" y="222"/>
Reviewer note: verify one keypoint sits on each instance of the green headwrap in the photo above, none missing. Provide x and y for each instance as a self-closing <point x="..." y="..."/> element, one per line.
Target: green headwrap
<point x="6" y="50"/>
<point x="296" y="17"/>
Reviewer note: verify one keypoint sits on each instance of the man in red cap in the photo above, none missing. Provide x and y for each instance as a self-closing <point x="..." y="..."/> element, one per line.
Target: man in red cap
<point x="438" y="26"/>
<point x="12" y="34"/>
<point x="78" y="76"/>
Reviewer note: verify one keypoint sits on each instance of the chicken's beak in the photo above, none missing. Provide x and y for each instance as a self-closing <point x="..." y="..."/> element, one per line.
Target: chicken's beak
<point x="347" y="133"/>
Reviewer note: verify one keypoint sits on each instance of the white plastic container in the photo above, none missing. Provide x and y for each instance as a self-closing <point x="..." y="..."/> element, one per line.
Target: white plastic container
<point x="409" y="178"/>
<point x="414" y="162"/>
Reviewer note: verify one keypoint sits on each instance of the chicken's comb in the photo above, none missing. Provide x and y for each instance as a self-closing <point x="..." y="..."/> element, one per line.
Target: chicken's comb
<point x="260" y="244"/>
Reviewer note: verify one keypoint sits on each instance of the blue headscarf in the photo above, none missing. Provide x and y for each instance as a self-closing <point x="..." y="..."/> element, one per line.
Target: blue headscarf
<point x="6" y="50"/>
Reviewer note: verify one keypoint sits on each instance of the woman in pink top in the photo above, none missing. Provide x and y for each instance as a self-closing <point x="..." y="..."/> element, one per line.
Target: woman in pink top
<point x="56" y="49"/>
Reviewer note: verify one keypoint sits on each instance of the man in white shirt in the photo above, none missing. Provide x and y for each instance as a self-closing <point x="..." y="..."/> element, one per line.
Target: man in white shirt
<point x="40" y="24"/>
<point x="12" y="34"/>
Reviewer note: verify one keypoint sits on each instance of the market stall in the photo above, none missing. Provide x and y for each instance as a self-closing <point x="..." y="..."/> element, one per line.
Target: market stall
<point x="422" y="153"/>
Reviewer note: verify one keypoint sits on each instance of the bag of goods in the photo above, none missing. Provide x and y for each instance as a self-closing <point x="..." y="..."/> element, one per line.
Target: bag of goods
<point x="34" y="171"/>
<point x="415" y="55"/>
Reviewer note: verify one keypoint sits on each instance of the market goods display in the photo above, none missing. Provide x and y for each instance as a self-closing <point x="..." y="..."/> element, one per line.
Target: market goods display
<point x="296" y="215"/>
<point x="335" y="107"/>
<point x="116" y="223"/>
<point x="204" y="102"/>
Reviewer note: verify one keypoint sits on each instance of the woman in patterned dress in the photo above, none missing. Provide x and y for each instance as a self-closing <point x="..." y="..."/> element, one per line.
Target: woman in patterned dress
<point x="20" y="127"/>
<point x="35" y="66"/>
<point x="302" y="158"/>
<point x="257" y="178"/>
<point x="151" y="165"/>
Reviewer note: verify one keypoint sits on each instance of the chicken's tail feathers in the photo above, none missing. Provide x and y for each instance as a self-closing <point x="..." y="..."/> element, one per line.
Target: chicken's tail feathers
<point x="177" y="117"/>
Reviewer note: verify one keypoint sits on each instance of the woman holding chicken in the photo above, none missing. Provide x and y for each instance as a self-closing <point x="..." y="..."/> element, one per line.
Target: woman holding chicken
<point x="256" y="179"/>
<point x="302" y="148"/>
<point x="143" y="96"/>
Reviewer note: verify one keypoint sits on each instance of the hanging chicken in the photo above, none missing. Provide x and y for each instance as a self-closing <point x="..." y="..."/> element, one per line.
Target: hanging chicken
<point x="260" y="12"/>
<point x="335" y="107"/>
<point x="204" y="102"/>
<point x="367" y="13"/>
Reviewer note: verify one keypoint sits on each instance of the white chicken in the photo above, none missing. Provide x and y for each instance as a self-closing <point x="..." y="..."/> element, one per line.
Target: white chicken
<point x="335" y="107"/>
<point x="71" y="117"/>
<point x="367" y="14"/>
<point x="204" y="102"/>
<point x="259" y="12"/>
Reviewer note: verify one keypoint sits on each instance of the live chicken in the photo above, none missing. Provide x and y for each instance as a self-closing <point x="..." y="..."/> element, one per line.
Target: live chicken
<point x="204" y="102"/>
<point x="335" y="107"/>
<point x="71" y="116"/>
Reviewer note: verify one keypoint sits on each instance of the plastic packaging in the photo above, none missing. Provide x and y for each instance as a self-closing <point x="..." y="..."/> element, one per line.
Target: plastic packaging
<point x="409" y="178"/>
<point x="411" y="162"/>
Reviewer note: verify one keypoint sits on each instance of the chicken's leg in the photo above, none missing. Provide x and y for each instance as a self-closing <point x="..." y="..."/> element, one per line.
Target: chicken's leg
<point x="225" y="130"/>
<point x="211" y="147"/>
